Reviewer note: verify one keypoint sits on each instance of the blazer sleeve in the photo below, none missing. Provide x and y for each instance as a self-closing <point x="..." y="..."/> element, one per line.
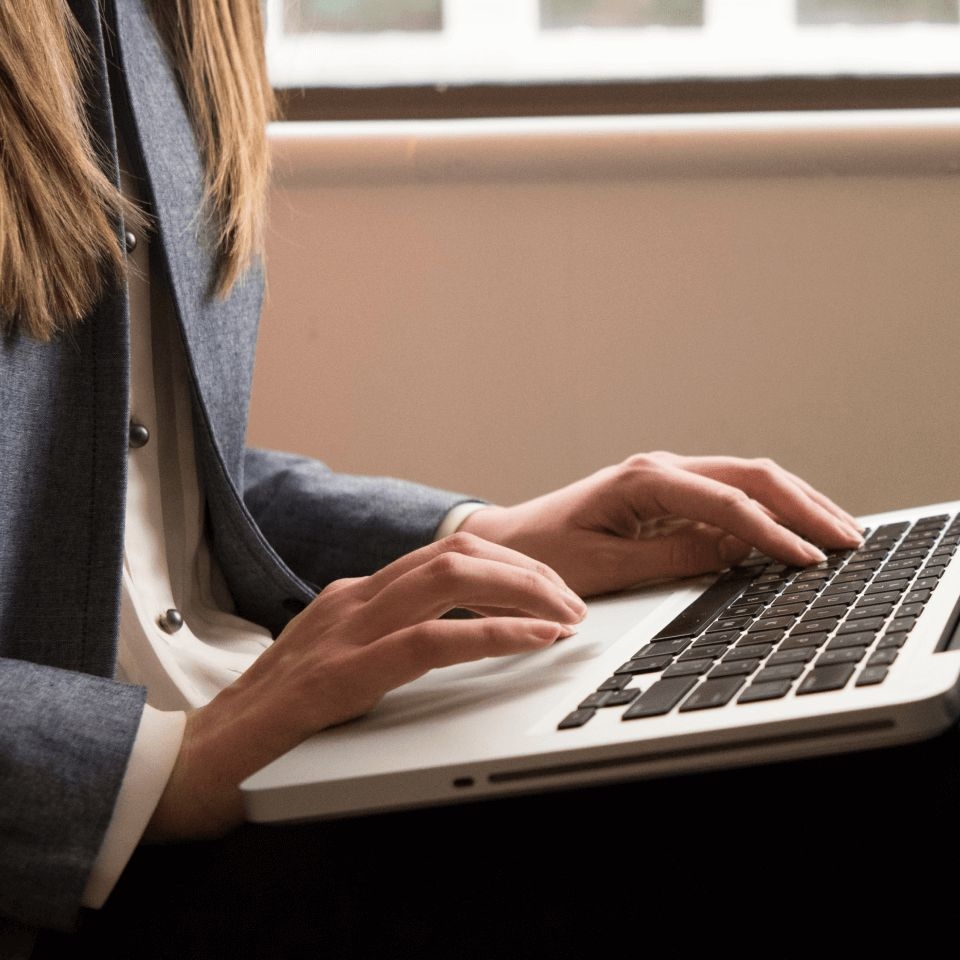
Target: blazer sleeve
<point x="65" y="739"/>
<point x="328" y="525"/>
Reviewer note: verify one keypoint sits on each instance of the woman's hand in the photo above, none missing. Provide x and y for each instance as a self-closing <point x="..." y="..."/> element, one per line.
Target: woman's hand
<point x="335" y="661"/>
<point x="661" y="515"/>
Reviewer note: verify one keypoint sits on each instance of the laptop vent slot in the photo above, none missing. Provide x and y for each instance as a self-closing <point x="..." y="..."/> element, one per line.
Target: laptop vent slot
<point x="562" y="769"/>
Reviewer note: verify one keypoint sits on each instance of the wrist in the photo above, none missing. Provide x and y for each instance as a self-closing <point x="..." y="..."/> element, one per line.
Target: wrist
<point x="486" y="522"/>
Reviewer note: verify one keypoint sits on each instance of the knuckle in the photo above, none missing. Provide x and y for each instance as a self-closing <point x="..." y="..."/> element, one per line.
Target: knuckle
<point x="463" y="542"/>
<point x="530" y="582"/>
<point x="446" y="568"/>
<point x="640" y="461"/>
<point x="765" y="466"/>
<point x="541" y="570"/>
<point x="733" y="498"/>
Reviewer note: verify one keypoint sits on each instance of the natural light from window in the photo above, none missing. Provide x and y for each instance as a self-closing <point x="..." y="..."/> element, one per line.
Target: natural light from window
<point x="447" y="42"/>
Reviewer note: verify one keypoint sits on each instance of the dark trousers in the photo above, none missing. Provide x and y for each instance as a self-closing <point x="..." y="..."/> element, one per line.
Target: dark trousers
<point x="723" y="858"/>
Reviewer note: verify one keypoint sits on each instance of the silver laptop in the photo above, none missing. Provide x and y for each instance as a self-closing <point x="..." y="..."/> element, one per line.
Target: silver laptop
<point x="762" y="663"/>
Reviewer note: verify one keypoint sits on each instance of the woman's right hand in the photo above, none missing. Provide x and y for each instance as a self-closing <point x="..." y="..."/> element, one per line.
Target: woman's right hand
<point x="359" y="639"/>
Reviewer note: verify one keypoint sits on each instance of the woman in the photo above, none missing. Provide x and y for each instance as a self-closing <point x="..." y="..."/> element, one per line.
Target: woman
<point x="248" y="598"/>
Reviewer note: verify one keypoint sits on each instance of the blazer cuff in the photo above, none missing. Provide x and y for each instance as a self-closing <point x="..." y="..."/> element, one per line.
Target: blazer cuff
<point x="451" y="522"/>
<point x="154" y="753"/>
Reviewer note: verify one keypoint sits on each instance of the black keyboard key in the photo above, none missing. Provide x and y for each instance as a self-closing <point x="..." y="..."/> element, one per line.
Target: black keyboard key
<point x="593" y="700"/>
<point x="740" y="609"/>
<point x="797" y="655"/>
<point x="892" y="640"/>
<point x="917" y="596"/>
<point x="846" y="655"/>
<point x="870" y="610"/>
<point x="689" y="668"/>
<point x="712" y="650"/>
<point x="817" y="625"/>
<point x="708" y="639"/>
<point x="712" y="693"/>
<point x="616" y="682"/>
<point x="829" y="611"/>
<point x="822" y="679"/>
<point x="788" y="609"/>
<point x="813" y="576"/>
<point x="806" y="641"/>
<point x="699" y="613"/>
<point x="852" y="576"/>
<point x="910" y="552"/>
<point x="772" y="690"/>
<point x="894" y="579"/>
<point x="782" y="671"/>
<point x="865" y="624"/>
<point x="762" y="637"/>
<point x="752" y="652"/>
<point x="883" y="658"/>
<point x="889" y="531"/>
<point x="662" y="648"/>
<point x="901" y="624"/>
<point x="846" y="640"/>
<point x="660" y="698"/>
<point x="732" y="623"/>
<point x="881" y="596"/>
<point x="646" y="665"/>
<point x="774" y="623"/>
<point x="871" y="675"/>
<point x="620" y="698"/>
<point x="576" y="719"/>
<point x="733" y="668"/>
<point x="904" y="563"/>
<point x="802" y="593"/>
<point x="910" y="610"/>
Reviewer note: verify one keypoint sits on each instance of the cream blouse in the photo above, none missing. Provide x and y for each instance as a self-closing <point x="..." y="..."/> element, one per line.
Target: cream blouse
<point x="179" y="635"/>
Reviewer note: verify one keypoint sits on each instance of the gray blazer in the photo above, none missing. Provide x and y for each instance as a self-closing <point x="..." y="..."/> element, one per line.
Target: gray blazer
<point x="282" y="526"/>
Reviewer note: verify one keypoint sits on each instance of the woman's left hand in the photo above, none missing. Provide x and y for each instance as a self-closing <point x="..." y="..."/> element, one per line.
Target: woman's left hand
<point x="662" y="515"/>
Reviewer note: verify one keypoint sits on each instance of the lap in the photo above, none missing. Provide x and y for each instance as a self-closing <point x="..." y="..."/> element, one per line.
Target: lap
<point x="538" y="875"/>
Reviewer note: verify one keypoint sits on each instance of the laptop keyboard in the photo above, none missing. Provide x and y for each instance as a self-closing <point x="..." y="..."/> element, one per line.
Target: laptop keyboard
<point x="764" y="631"/>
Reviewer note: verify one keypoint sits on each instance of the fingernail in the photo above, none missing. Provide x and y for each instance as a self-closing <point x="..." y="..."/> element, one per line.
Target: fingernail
<point x="547" y="630"/>
<point x="816" y="554"/>
<point x="849" y="533"/>
<point x="857" y="537"/>
<point x="575" y="604"/>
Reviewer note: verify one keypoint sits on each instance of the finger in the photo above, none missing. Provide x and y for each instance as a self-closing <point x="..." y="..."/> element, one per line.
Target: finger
<point x="409" y="653"/>
<point x="467" y="544"/>
<point x="685" y="553"/>
<point x="826" y="502"/>
<point x="697" y="497"/>
<point x="772" y="487"/>
<point x="451" y="579"/>
<point x="715" y="467"/>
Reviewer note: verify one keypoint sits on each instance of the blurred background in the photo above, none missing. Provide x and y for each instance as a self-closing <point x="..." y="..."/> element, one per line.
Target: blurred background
<point x="471" y="291"/>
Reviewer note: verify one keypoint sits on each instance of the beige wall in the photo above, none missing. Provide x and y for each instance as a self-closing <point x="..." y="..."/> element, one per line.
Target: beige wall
<point x="500" y="307"/>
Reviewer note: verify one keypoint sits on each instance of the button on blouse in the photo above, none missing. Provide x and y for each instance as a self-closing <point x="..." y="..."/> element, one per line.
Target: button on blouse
<point x="178" y="634"/>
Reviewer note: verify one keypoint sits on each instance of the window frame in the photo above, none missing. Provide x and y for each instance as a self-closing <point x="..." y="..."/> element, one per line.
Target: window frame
<point x="654" y="96"/>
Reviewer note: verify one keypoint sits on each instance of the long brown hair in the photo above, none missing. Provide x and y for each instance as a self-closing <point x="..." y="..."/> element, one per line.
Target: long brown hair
<point x="58" y="210"/>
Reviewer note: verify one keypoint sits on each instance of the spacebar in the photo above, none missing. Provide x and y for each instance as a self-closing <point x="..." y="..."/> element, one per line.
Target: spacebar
<point x="714" y="599"/>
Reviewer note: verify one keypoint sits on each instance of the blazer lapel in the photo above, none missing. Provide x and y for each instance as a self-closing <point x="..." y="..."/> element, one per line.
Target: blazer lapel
<point x="219" y="335"/>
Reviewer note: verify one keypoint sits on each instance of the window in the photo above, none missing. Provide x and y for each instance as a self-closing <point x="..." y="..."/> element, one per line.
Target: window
<point x="364" y="59"/>
<point x="443" y="45"/>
